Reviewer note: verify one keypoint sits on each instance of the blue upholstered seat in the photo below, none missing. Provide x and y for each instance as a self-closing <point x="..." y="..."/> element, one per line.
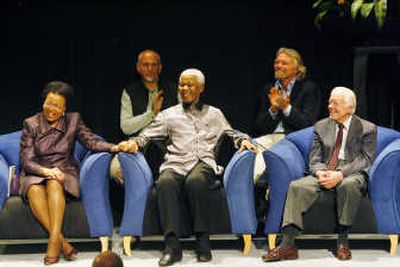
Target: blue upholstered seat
<point x="94" y="181"/>
<point x="287" y="160"/>
<point x="238" y="186"/>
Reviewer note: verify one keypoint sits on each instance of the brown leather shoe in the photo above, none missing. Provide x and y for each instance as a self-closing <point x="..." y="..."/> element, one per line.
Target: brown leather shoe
<point x="343" y="253"/>
<point x="278" y="253"/>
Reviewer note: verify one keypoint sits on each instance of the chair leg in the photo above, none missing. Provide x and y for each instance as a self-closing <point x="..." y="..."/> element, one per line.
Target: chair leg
<point x="104" y="243"/>
<point x="394" y="240"/>
<point x="247" y="244"/>
<point x="127" y="245"/>
<point x="271" y="241"/>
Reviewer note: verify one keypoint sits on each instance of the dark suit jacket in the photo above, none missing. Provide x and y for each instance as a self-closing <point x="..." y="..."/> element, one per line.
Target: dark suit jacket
<point x="305" y="99"/>
<point x="359" y="150"/>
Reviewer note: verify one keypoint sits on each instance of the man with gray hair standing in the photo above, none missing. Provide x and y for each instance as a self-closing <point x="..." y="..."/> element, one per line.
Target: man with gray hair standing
<point x="342" y="153"/>
<point x="192" y="130"/>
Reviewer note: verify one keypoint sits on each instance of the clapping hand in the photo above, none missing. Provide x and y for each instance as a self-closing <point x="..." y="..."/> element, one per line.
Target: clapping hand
<point x="157" y="102"/>
<point x="284" y="102"/>
<point x="277" y="100"/>
<point x="274" y="96"/>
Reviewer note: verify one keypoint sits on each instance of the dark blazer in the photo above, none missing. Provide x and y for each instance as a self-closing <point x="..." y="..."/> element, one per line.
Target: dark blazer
<point x="305" y="99"/>
<point x="360" y="146"/>
<point x="44" y="146"/>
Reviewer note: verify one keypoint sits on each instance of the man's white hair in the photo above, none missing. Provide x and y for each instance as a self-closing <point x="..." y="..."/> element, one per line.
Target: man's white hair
<point x="348" y="95"/>
<point x="194" y="72"/>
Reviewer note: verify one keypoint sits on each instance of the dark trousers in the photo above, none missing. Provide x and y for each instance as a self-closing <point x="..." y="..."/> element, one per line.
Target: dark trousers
<point x="304" y="192"/>
<point x="180" y="195"/>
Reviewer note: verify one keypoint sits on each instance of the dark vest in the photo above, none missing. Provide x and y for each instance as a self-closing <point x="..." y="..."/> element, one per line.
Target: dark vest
<point x="139" y="96"/>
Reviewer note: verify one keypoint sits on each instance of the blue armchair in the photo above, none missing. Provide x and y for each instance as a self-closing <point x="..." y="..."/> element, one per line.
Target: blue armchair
<point x="234" y="201"/>
<point x="90" y="217"/>
<point x="287" y="161"/>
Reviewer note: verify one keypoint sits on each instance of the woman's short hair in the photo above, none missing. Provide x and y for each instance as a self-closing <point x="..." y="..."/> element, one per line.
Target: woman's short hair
<point x="196" y="73"/>
<point x="59" y="88"/>
<point x="298" y="61"/>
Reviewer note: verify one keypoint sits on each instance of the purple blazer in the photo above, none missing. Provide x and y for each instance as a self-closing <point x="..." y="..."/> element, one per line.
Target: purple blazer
<point x="44" y="146"/>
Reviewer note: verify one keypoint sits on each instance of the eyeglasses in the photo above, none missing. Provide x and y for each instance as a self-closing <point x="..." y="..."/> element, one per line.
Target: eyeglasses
<point x="54" y="106"/>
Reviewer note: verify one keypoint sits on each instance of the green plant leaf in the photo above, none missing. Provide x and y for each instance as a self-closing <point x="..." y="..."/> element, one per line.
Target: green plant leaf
<point x="318" y="18"/>
<point x="355" y="7"/>
<point x="366" y="9"/>
<point x="380" y="11"/>
<point x="327" y="5"/>
<point x="317" y="3"/>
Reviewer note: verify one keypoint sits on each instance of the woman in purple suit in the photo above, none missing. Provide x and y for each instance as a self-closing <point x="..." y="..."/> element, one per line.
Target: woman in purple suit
<point x="50" y="172"/>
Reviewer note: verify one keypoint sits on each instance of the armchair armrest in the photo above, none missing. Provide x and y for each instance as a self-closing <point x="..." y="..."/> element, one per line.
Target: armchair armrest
<point x="384" y="188"/>
<point x="138" y="181"/>
<point x="285" y="163"/>
<point x="94" y="183"/>
<point x="239" y="188"/>
<point x="3" y="181"/>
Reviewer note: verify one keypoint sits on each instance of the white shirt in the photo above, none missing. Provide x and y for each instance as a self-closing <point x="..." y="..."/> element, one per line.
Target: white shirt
<point x="279" y="128"/>
<point x="346" y="126"/>
<point x="191" y="136"/>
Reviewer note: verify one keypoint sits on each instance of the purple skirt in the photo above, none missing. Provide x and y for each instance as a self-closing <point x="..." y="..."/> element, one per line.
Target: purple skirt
<point x="71" y="183"/>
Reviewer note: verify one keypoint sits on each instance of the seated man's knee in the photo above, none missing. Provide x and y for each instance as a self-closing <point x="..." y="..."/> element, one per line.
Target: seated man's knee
<point x="300" y="187"/>
<point x="296" y="185"/>
<point x="196" y="182"/>
<point x="166" y="181"/>
<point x="348" y="185"/>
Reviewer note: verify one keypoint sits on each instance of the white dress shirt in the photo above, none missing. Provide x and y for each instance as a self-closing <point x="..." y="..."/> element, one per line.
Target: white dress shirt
<point x="191" y="136"/>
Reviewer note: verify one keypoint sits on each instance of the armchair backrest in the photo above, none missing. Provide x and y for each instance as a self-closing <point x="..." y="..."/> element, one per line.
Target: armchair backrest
<point x="303" y="140"/>
<point x="10" y="146"/>
<point x="385" y="137"/>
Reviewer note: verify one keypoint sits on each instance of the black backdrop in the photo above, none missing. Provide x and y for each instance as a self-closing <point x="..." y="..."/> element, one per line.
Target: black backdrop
<point x="93" y="44"/>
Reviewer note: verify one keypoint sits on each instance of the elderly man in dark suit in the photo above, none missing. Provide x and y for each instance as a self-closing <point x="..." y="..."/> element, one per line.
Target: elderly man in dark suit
<point x="342" y="153"/>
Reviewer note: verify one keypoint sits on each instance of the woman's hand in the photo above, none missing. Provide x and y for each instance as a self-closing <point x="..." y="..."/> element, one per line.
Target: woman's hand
<point x="114" y="149"/>
<point x="247" y="145"/>
<point x="129" y="146"/>
<point x="54" y="173"/>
